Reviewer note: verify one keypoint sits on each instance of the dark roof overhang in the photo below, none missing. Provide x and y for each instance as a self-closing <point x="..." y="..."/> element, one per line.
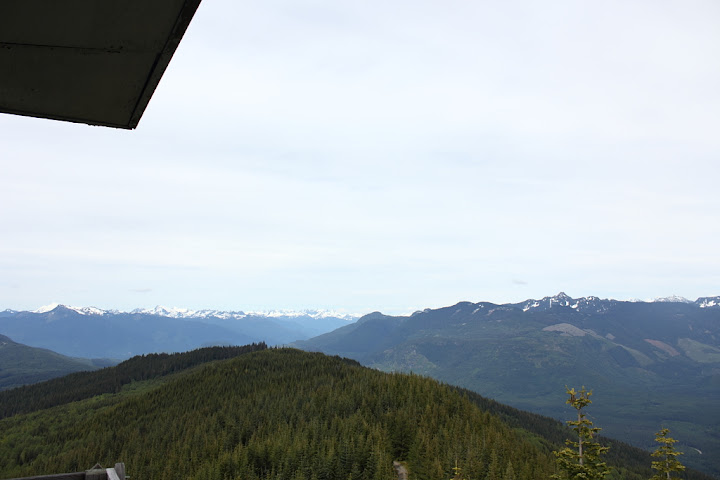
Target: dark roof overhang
<point x="88" y="61"/>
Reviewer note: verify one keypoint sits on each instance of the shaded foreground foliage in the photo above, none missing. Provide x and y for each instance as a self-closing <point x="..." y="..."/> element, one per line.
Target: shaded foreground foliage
<point x="280" y="414"/>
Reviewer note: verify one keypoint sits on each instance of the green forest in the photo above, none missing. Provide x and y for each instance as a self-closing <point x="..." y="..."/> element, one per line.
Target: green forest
<point x="259" y="413"/>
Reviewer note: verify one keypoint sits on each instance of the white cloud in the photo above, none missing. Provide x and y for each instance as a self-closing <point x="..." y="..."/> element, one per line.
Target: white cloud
<point x="385" y="156"/>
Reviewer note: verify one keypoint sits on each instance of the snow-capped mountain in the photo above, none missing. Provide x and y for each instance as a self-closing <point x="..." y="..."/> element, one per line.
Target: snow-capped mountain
<point x="672" y="299"/>
<point x="598" y="305"/>
<point x="174" y="312"/>
<point x="583" y="304"/>
<point x="706" y="302"/>
<point x="80" y="310"/>
<point x="94" y="332"/>
<point x="186" y="313"/>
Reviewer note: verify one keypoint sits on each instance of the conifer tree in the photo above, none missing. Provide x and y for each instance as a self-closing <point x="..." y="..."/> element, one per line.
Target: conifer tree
<point x="581" y="459"/>
<point x="668" y="462"/>
<point x="509" y="472"/>
<point x="493" y="470"/>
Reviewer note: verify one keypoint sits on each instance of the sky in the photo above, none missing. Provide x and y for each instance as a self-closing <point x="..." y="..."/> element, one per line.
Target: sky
<point x="385" y="156"/>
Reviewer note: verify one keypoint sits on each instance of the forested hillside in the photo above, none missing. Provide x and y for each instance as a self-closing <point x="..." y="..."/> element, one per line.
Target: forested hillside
<point x="82" y="385"/>
<point x="21" y="364"/>
<point x="287" y="414"/>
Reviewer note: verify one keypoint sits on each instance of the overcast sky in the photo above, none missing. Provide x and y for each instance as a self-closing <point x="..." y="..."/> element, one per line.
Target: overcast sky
<point x="385" y="155"/>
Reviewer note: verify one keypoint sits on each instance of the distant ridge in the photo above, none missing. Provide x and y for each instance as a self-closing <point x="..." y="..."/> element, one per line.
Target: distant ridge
<point x="91" y="332"/>
<point x="21" y="364"/>
<point x="177" y="312"/>
<point x="597" y="304"/>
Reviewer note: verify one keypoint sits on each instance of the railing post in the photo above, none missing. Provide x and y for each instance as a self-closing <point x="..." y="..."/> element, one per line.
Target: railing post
<point x="96" y="473"/>
<point x="120" y="470"/>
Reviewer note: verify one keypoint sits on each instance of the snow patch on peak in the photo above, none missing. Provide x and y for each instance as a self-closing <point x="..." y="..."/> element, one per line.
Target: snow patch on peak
<point x="672" y="299"/>
<point x="707" y="302"/>
<point x="185" y="313"/>
<point x="91" y="310"/>
<point x="172" y="312"/>
<point x="527" y="307"/>
<point x="561" y="298"/>
<point x="80" y="310"/>
<point x="47" y="308"/>
<point x="582" y="304"/>
<point x="314" y="314"/>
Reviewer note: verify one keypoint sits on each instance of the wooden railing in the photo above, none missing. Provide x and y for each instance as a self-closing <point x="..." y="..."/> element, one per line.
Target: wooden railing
<point x="95" y="473"/>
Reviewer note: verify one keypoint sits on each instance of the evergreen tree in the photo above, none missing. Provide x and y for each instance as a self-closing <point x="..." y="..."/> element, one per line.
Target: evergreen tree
<point x="493" y="471"/>
<point x="668" y="462"/>
<point x="581" y="459"/>
<point x="509" y="472"/>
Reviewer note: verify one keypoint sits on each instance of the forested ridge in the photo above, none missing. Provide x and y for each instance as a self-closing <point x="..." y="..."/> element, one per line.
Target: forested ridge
<point x="286" y="414"/>
<point x="22" y="364"/>
<point x="82" y="385"/>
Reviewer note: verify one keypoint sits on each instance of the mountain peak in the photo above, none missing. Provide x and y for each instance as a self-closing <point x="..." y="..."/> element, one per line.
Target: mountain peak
<point x="673" y="299"/>
<point x="47" y="308"/>
<point x="582" y="304"/>
<point x="706" y="302"/>
<point x="173" y="312"/>
<point x="561" y="298"/>
<point x="81" y="310"/>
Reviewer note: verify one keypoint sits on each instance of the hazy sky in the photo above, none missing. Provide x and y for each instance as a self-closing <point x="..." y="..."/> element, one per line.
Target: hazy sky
<point x="385" y="155"/>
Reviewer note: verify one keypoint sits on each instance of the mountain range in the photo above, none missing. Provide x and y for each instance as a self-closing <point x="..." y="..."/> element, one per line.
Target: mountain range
<point x="90" y="332"/>
<point x="650" y="364"/>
